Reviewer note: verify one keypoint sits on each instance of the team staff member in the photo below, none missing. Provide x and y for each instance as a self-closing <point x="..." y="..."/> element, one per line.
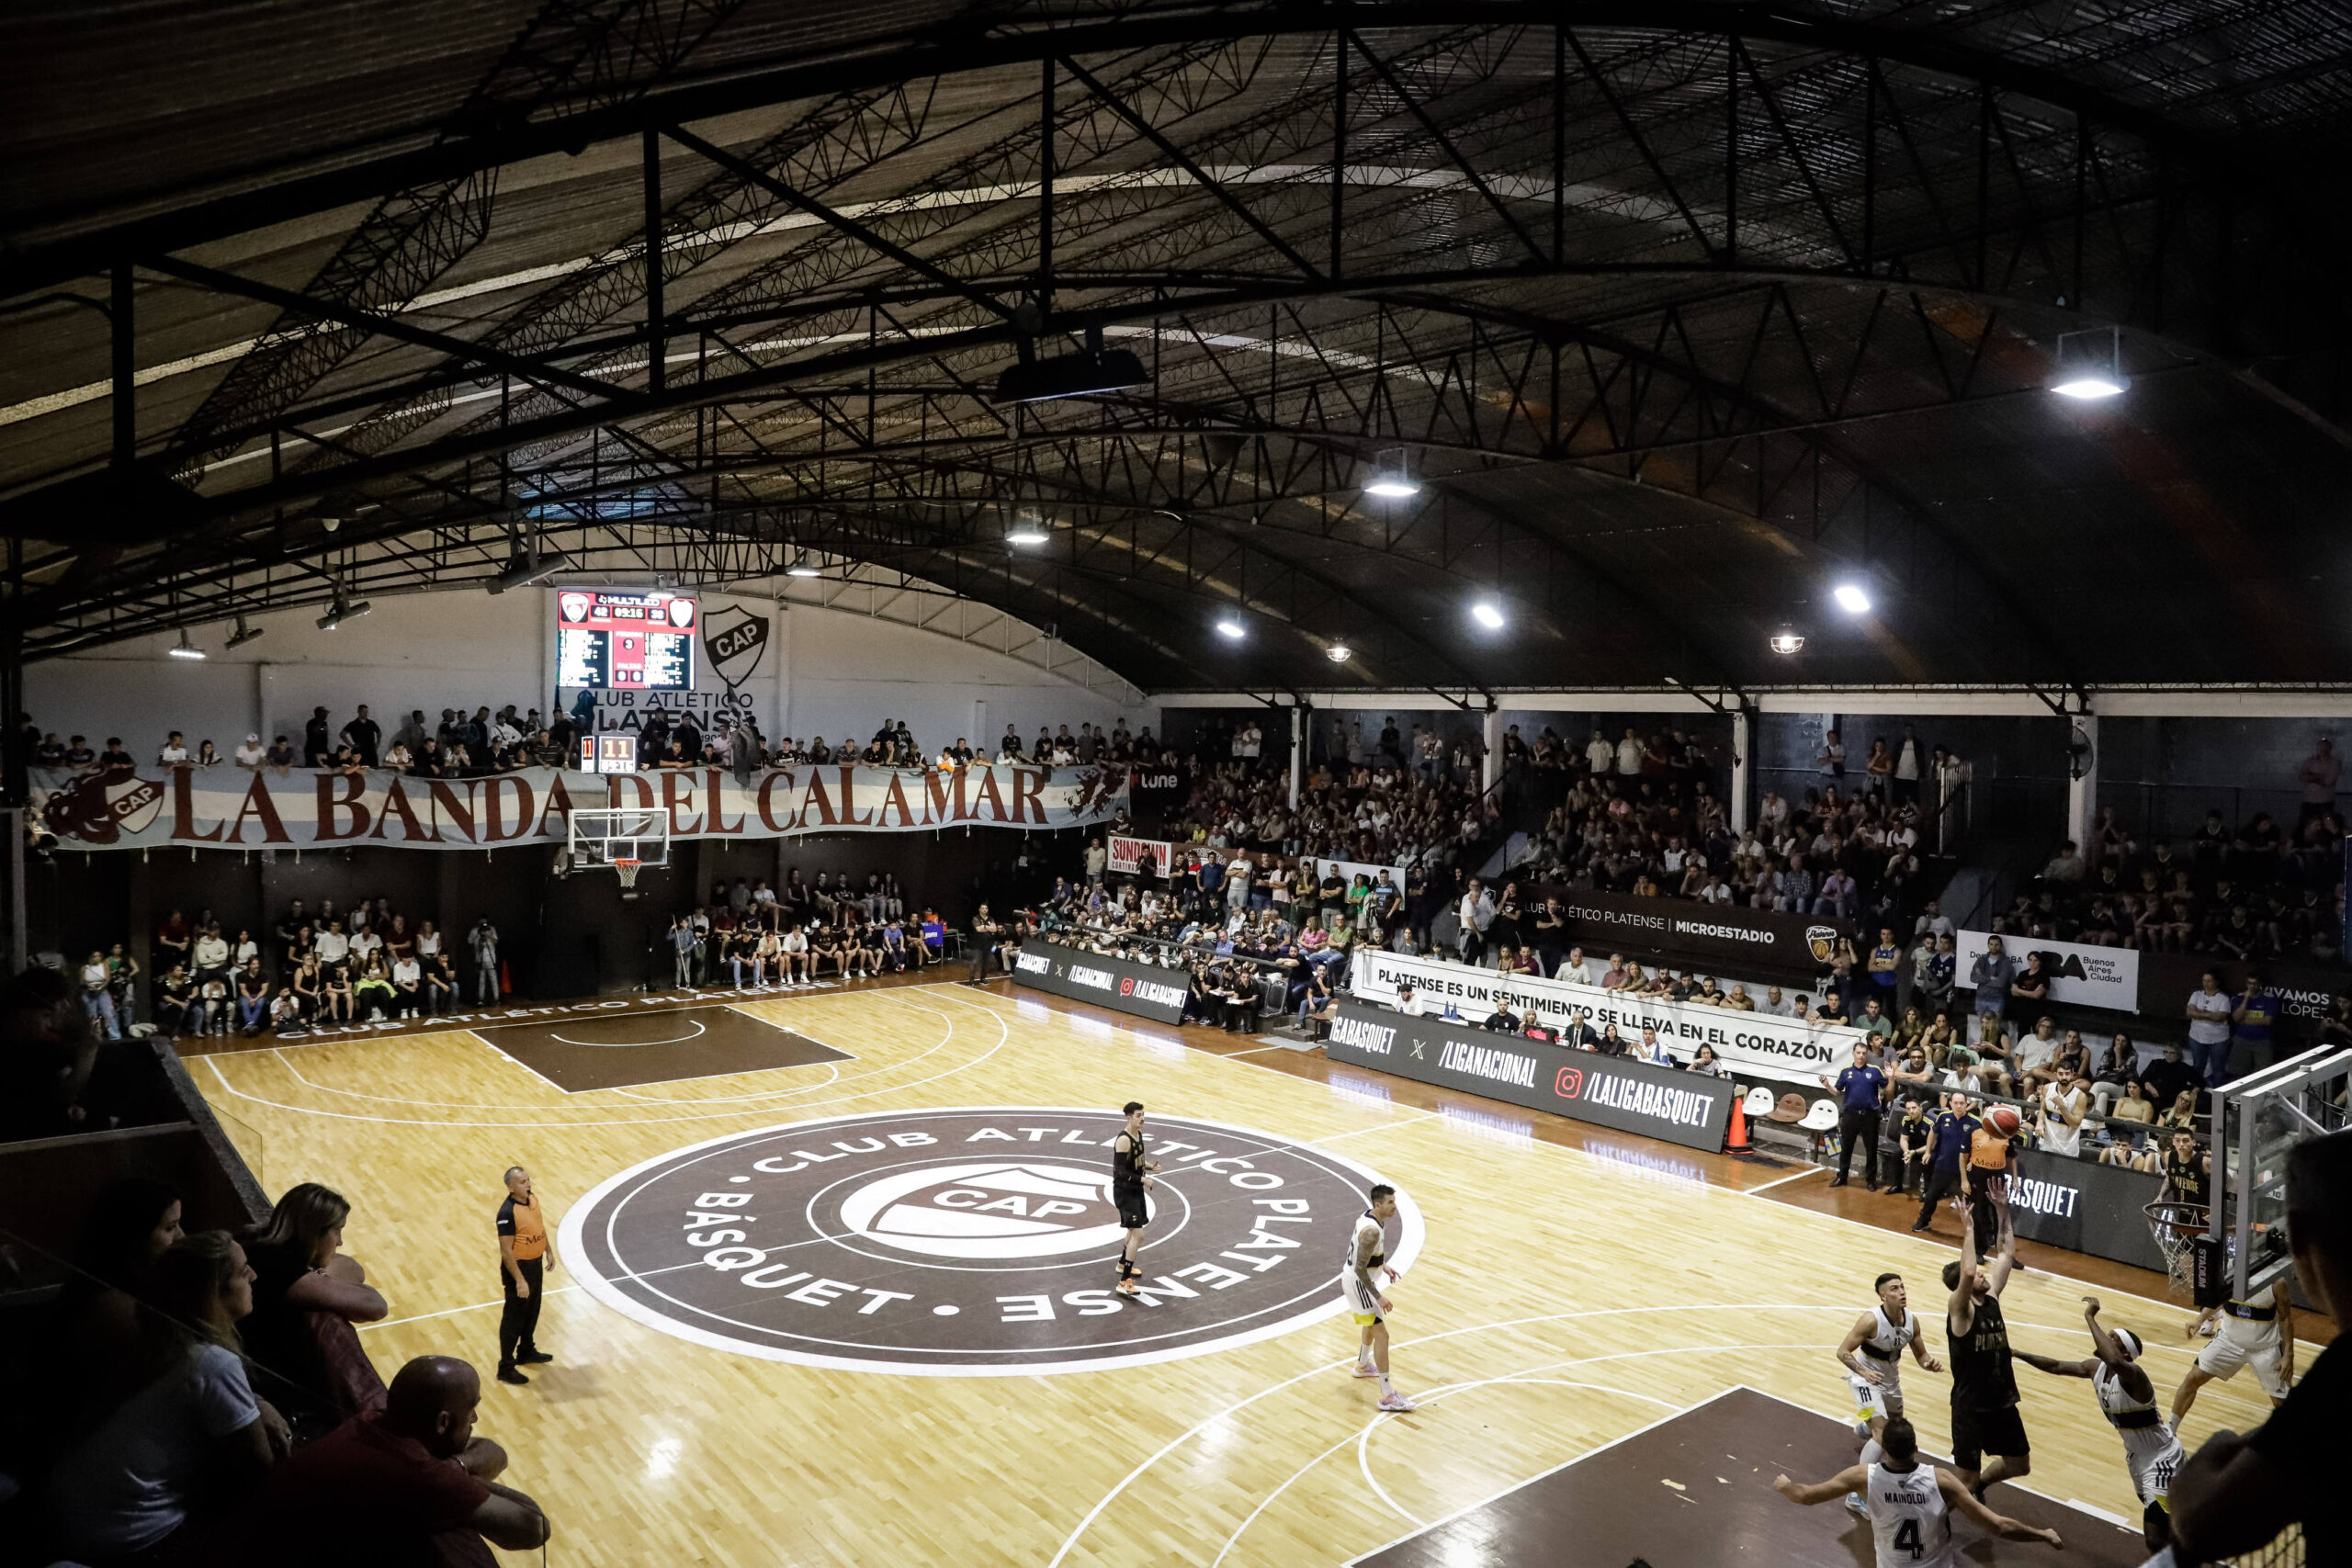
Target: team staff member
<point x="524" y="1252"/>
<point x="1948" y="1144"/>
<point x="1861" y="1091"/>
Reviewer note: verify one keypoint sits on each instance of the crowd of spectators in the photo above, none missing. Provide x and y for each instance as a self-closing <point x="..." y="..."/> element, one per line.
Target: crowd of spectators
<point x="752" y="934"/>
<point x="469" y="744"/>
<point x="315" y="965"/>
<point x="205" y="1400"/>
<point x="2258" y="892"/>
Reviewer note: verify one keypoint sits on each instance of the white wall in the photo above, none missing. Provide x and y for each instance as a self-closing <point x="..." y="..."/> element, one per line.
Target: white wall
<point x="825" y="670"/>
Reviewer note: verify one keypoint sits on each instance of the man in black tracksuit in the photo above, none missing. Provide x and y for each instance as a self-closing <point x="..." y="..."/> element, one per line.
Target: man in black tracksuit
<point x="1947" y="1146"/>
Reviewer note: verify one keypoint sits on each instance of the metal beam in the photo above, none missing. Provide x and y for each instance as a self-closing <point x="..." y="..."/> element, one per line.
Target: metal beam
<point x="975" y="45"/>
<point x="835" y="220"/>
<point x="538" y="371"/>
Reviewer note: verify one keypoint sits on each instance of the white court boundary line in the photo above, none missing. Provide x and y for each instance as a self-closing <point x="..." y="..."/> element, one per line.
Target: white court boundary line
<point x="1783" y="1181"/>
<point x="548" y="1125"/>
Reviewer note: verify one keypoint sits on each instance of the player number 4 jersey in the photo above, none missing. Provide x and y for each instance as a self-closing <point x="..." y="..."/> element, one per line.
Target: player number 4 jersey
<point x="1907" y="1517"/>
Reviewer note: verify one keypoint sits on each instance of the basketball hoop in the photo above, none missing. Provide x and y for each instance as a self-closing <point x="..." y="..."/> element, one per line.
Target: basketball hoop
<point x="2173" y="1223"/>
<point x="627" y="868"/>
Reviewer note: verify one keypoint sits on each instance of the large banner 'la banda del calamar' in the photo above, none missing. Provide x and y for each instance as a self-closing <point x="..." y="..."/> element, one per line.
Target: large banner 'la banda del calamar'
<point x="238" y="808"/>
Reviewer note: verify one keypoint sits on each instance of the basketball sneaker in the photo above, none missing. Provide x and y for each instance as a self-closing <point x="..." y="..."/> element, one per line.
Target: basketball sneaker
<point x="1396" y="1403"/>
<point x="1366" y="1370"/>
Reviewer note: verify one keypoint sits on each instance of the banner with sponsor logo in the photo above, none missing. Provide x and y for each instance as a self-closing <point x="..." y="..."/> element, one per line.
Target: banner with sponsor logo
<point x="1716" y="935"/>
<point x="2084" y="1206"/>
<point x="1145" y="989"/>
<point x="2085" y="975"/>
<point x="1126" y="852"/>
<point x="1751" y="1044"/>
<point x="1690" y="1108"/>
<point x="238" y="808"/>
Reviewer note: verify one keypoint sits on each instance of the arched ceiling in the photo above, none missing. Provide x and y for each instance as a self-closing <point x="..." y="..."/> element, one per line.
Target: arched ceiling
<point x="1681" y="312"/>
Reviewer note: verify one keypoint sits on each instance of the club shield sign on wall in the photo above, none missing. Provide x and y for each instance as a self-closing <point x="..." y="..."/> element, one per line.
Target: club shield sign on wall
<point x="975" y="1241"/>
<point x="735" y="640"/>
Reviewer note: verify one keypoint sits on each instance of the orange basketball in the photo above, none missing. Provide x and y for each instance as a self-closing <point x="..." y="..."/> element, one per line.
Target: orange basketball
<point x="2003" y="1119"/>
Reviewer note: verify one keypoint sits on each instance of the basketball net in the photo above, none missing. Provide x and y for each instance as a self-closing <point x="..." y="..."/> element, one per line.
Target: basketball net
<point x="627" y="868"/>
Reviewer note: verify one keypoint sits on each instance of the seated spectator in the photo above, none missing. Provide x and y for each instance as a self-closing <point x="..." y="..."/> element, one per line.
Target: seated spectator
<point x="2116" y="1067"/>
<point x="253" y="998"/>
<point x="440" y="986"/>
<point x="2134" y="1151"/>
<point x="2133" y="1107"/>
<point x="409" y="1484"/>
<point x="374" y="992"/>
<point x="133" y="1223"/>
<point x="190" y="1439"/>
<point x="308" y="1293"/>
<point x="2181" y="1115"/>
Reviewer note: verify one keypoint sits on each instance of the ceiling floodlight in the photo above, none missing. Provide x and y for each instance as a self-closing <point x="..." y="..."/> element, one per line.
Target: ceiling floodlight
<point x="1229" y="627"/>
<point x="187" y="649"/>
<point x="802" y="569"/>
<point x="1339" y="653"/>
<point x="529" y="568"/>
<point x="1787" y="641"/>
<point x="1392" y="476"/>
<point x="244" y="634"/>
<point x="2090" y="365"/>
<point x="1486" y="615"/>
<point x="341" y="611"/>
<point x="1851" y="599"/>
<point x="1027" y="534"/>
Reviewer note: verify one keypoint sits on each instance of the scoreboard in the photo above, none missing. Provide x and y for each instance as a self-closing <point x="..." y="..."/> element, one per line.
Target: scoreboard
<point x="626" y="642"/>
<point x="608" y="754"/>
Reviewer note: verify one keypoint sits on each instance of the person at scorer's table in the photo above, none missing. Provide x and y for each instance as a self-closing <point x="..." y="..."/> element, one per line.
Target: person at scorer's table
<point x="524" y="1252"/>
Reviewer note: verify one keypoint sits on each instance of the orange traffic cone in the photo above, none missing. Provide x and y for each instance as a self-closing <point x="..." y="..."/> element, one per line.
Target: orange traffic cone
<point x="1735" y="1135"/>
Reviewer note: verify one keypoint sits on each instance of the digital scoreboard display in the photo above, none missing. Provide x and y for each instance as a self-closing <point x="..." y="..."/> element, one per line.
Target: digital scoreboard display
<point x="626" y="642"/>
<point x="608" y="754"/>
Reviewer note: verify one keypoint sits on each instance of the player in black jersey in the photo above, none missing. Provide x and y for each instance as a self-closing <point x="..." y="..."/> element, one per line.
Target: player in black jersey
<point x="1131" y="1169"/>
<point x="1983" y="1385"/>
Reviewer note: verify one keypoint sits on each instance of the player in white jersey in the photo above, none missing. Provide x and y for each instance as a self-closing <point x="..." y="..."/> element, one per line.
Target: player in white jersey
<point x="1366" y="1257"/>
<point x="1910" y="1503"/>
<point x="2126" y="1397"/>
<point x="2260" y="1331"/>
<point x="1871" y="1354"/>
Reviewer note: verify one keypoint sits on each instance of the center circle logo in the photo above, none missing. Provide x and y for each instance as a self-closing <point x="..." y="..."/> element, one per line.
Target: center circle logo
<point x="975" y="1241"/>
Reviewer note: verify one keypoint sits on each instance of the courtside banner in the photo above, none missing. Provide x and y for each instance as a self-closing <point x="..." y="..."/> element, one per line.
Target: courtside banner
<point x="1145" y="989"/>
<point x="1690" y="1108"/>
<point x="2084" y="1206"/>
<point x="2085" y="975"/>
<point x="1751" y="1044"/>
<point x="240" y="808"/>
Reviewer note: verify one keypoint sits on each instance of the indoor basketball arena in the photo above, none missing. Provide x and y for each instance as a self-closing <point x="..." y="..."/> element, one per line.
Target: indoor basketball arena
<point x="1270" y="784"/>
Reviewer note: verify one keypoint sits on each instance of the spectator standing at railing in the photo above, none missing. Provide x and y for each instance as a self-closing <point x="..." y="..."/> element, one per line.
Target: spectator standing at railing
<point x="316" y="739"/>
<point x="2319" y="775"/>
<point x="2209" y="1009"/>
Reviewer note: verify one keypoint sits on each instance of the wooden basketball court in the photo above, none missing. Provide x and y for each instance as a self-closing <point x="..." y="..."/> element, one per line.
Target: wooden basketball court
<point x="1565" y="1289"/>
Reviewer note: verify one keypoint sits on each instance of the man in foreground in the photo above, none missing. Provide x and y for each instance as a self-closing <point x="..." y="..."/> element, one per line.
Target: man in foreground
<point x="412" y="1484"/>
<point x="2240" y="1492"/>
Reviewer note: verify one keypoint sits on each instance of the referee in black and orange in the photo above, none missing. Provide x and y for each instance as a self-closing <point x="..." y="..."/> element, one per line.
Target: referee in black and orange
<point x="524" y="1252"/>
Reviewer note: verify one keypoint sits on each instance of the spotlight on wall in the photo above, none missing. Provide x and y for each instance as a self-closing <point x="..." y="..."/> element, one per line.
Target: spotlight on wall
<point x="1484" y="613"/>
<point x="185" y="649"/>
<point x="244" y="634"/>
<point x="1851" y="599"/>
<point x="1339" y="653"/>
<point x="1786" y="641"/>
<point x="1229" y="627"/>
<point x="1392" y="476"/>
<point x="2090" y="365"/>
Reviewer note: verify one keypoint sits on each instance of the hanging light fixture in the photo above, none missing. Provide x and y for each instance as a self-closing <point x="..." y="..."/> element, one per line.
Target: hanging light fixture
<point x="1488" y="614"/>
<point x="1787" y="641"/>
<point x="1851" y="598"/>
<point x="2090" y="365"/>
<point x="1392" y="476"/>
<point x="244" y="634"/>
<point x="185" y="649"/>
<point x="1339" y="653"/>
<point x="1229" y="627"/>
